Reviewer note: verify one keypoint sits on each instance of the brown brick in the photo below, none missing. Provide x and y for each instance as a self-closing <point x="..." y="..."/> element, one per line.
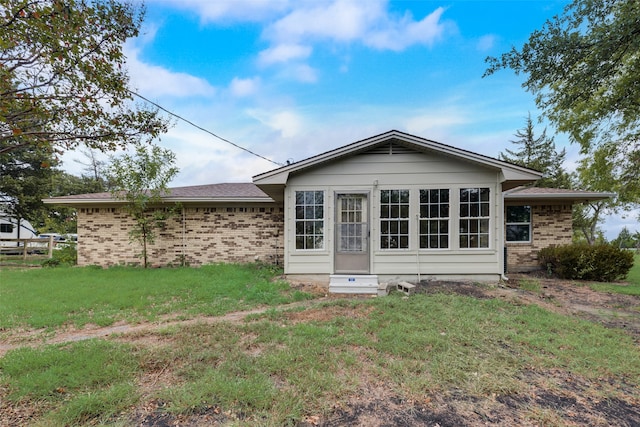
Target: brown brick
<point x="200" y="236"/>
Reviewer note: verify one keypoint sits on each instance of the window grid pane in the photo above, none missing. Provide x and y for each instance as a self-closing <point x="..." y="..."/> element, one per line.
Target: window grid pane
<point x="518" y="224"/>
<point x="474" y="217"/>
<point x="394" y="222"/>
<point x="309" y="219"/>
<point x="434" y="219"/>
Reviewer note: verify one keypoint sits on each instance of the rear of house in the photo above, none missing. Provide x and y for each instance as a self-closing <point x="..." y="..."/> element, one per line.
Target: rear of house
<point x="390" y="207"/>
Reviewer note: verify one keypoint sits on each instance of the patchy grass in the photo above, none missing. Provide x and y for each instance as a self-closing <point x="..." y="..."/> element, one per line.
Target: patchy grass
<point x="49" y="298"/>
<point x="531" y="285"/>
<point x="282" y="367"/>
<point x="72" y="384"/>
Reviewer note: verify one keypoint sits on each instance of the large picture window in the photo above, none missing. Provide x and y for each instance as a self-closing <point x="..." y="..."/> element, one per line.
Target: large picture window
<point x="309" y="220"/>
<point x="474" y="217"/>
<point x="394" y="219"/>
<point x="434" y="219"/>
<point x="518" y="227"/>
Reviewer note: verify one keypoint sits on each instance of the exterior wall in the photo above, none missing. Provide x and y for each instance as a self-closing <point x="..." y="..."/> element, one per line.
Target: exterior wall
<point x="370" y="173"/>
<point x="550" y="225"/>
<point x="201" y="235"/>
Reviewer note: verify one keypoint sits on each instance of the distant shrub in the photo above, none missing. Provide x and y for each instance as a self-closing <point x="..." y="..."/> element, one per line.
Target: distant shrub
<point x="601" y="263"/>
<point x="66" y="255"/>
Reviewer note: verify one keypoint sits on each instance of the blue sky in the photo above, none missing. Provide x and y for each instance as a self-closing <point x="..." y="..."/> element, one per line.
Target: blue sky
<point x="289" y="79"/>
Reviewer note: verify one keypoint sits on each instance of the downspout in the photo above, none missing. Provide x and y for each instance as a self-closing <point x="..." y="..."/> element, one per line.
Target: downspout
<point x="418" y="247"/>
<point x="184" y="237"/>
<point x="502" y="235"/>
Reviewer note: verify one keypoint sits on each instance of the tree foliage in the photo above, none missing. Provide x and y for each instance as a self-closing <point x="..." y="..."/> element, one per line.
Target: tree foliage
<point x="626" y="240"/>
<point x="141" y="181"/>
<point x="584" y="68"/>
<point x="24" y="180"/>
<point x="540" y="154"/>
<point x="63" y="80"/>
<point x="599" y="172"/>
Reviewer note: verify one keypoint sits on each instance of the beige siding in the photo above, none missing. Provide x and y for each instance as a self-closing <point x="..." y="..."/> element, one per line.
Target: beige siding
<point x="202" y="235"/>
<point x="550" y="225"/>
<point x="374" y="172"/>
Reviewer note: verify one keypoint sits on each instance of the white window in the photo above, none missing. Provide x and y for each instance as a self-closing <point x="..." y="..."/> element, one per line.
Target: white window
<point x="394" y="219"/>
<point x="434" y="219"/>
<point x="518" y="223"/>
<point x="474" y="217"/>
<point x="309" y="219"/>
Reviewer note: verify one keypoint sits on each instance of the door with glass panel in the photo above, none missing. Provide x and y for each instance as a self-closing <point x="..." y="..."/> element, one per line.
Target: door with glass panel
<point x="352" y="234"/>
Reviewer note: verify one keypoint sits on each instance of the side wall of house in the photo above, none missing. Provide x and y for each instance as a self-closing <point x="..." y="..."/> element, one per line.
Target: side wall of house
<point x="551" y="224"/>
<point x="199" y="235"/>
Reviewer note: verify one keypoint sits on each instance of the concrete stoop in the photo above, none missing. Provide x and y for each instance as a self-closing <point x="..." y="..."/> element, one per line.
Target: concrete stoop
<point x="353" y="284"/>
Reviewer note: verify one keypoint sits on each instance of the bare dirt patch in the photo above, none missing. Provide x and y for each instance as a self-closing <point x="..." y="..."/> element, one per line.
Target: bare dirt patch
<point x="577" y="299"/>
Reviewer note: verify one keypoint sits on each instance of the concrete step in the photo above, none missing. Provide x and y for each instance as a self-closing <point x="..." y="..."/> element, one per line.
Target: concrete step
<point x="353" y="284"/>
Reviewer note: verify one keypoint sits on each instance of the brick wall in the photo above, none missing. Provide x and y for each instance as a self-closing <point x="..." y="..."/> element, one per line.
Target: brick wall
<point x="201" y="235"/>
<point x="550" y="225"/>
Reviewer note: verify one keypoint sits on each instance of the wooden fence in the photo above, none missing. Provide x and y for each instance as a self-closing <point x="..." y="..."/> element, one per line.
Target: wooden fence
<point x="32" y="247"/>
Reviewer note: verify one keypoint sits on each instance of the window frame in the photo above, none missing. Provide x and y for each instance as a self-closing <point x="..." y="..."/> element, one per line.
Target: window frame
<point x="518" y="224"/>
<point x="426" y="221"/>
<point x="471" y="212"/>
<point x="316" y="223"/>
<point x="400" y="222"/>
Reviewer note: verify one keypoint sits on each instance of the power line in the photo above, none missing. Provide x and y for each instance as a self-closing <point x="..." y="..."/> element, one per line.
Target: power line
<point x="202" y="129"/>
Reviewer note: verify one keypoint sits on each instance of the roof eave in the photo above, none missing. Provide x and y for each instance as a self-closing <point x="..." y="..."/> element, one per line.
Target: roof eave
<point x="78" y="202"/>
<point x="559" y="196"/>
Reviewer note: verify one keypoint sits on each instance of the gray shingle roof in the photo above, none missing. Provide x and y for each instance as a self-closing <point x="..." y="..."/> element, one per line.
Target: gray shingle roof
<point x="228" y="192"/>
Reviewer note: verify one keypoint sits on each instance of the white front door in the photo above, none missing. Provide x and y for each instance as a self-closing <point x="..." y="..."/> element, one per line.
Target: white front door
<point x="352" y="234"/>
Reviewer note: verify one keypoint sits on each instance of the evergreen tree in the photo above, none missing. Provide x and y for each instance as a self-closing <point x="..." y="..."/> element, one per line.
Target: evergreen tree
<point x="540" y="154"/>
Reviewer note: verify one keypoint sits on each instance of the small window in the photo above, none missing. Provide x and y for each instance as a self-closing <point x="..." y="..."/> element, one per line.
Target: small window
<point x="6" y="228"/>
<point x="434" y="219"/>
<point x="474" y="217"/>
<point x="394" y="219"/>
<point x="518" y="223"/>
<point x="309" y="219"/>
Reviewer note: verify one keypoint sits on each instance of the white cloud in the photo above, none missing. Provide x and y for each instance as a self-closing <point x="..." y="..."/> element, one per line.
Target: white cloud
<point x="302" y="73"/>
<point x="244" y="87"/>
<point x="486" y="42"/>
<point x="286" y="122"/>
<point x="342" y="20"/>
<point x="231" y="10"/>
<point x="435" y="122"/>
<point x="400" y="34"/>
<point x="283" y="53"/>
<point x="293" y="28"/>
<point x="155" y="81"/>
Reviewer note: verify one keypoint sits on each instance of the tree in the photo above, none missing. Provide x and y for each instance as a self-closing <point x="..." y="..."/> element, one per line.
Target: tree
<point x="141" y="180"/>
<point x="539" y="154"/>
<point x="62" y="77"/>
<point x="62" y="219"/>
<point x="94" y="171"/>
<point x="583" y="67"/>
<point x="24" y="178"/>
<point x="625" y="239"/>
<point x="598" y="172"/>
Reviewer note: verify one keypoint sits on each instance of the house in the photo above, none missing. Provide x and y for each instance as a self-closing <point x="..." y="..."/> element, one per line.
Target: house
<point x="390" y="207"/>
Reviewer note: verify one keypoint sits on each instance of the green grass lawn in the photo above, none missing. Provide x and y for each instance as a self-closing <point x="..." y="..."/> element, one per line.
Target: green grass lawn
<point x="51" y="297"/>
<point x="279" y="367"/>
<point x="632" y="285"/>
